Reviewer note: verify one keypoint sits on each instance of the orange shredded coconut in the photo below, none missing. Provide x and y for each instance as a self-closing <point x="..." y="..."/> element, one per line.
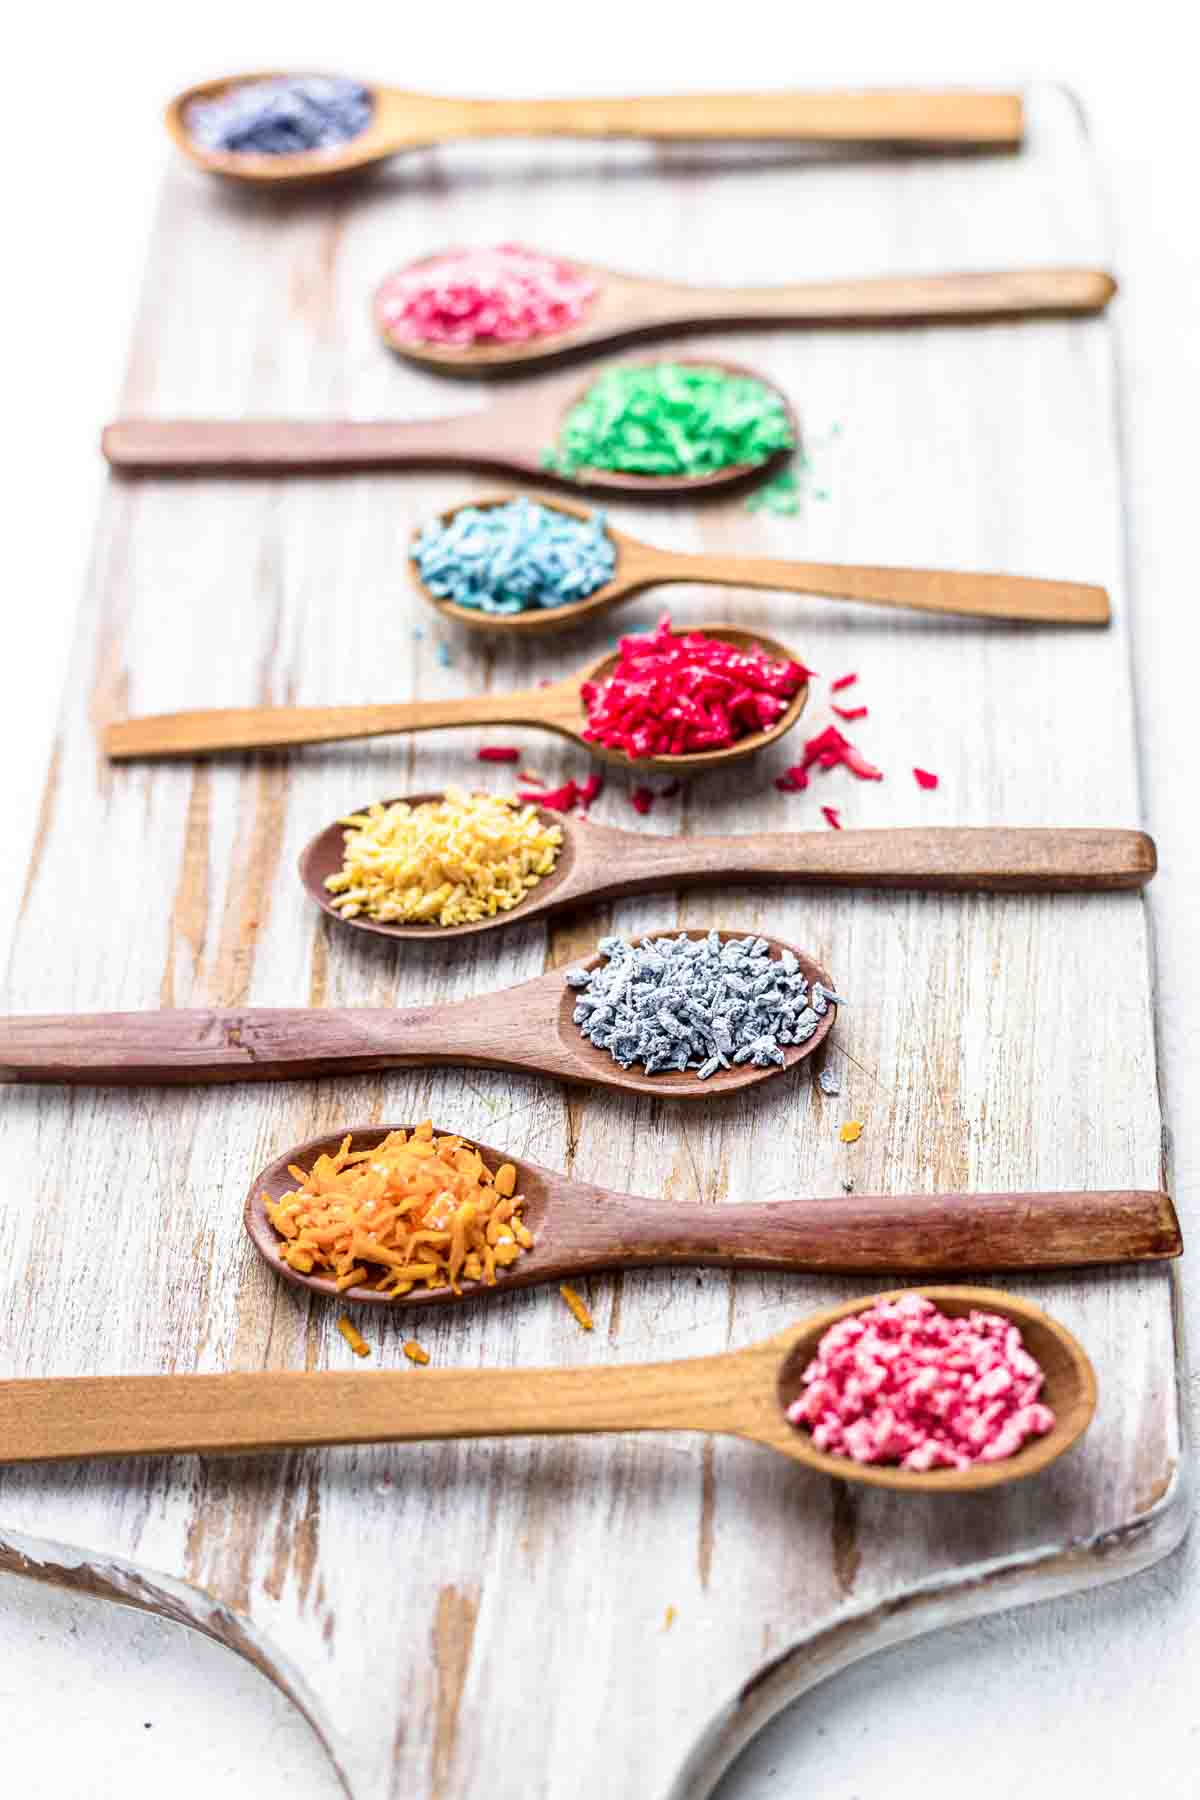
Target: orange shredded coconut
<point x="414" y="1208"/>
<point x="851" y="1131"/>
<point x="415" y="1352"/>
<point x="354" y="1338"/>
<point x="577" y="1306"/>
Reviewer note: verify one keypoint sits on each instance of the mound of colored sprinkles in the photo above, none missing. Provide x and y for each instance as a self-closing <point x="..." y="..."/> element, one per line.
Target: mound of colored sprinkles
<point x="503" y="295"/>
<point x="514" y="558"/>
<point x="671" y="419"/>
<point x="414" y="1210"/>
<point x="696" y="1003"/>
<point x="281" y="116"/>
<point x="671" y="695"/>
<point x="904" y="1383"/>
<point x="444" y="862"/>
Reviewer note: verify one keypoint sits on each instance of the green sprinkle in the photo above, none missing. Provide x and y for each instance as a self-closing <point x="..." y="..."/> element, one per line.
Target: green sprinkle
<point x="779" y="495"/>
<point x="671" y="419"/>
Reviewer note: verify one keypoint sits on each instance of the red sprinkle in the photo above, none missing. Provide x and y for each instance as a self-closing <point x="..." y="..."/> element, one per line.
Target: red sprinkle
<point x="925" y="779"/>
<point x="851" y="712"/>
<point x="589" y="789"/>
<point x="560" y="799"/>
<point x="832" y="817"/>
<point x="503" y="753"/>
<point x="642" y="799"/>
<point x="503" y="295"/>
<point x="672" y="695"/>
<point x="843" y="681"/>
<point x="904" y="1383"/>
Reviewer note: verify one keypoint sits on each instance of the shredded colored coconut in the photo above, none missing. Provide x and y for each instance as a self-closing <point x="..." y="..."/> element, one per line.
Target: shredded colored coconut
<point x="925" y="779"/>
<point x="517" y="557"/>
<point x="826" y="751"/>
<point x="843" y="681"/>
<point x="851" y="712"/>
<point x="282" y="115"/>
<point x="502" y="295"/>
<point x="669" y="1618"/>
<point x="673" y="695"/>
<point x="414" y="1209"/>
<point x="578" y="1306"/>
<point x="415" y="1352"/>
<point x="354" y="1338"/>
<point x="498" y="753"/>
<point x="851" y="1131"/>
<point x="443" y="862"/>
<point x="832" y="817"/>
<point x="671" y="419"/>
<point x="904" y="1383"/>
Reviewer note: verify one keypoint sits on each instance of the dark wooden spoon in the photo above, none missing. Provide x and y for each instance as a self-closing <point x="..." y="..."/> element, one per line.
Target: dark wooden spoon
<point x="963" y="594"/>
<point x="513" y="433"/>
<point x="557" y="707"/>
<point x="598" y="862"/>
<point x="528" y="1028"/>
<point x="579" y="1230"/>
<point x="742" y="1393"/>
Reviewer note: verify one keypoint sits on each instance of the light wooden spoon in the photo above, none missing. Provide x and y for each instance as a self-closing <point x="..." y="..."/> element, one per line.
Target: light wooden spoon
<point x="627" y="307"/>
<point x="742" y="1394"/>
<point x="598" y="862"/>
<point x="529" y="1028"/>
<point x="557" y="707"/>
<point x="640" y="566"/>
<point x="407" y="121"/>
<point x="582" y="1230"/>
<point x="513" y="433"/>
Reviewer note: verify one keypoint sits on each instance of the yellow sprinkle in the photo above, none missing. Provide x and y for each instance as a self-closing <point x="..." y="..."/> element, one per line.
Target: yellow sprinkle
<point x="669" y="1620"/>
<point x="356" y="1341"/>
<point x="577" y="1306"/>
<point x="851" y="1131"/>
<point x="414" y="1352"/>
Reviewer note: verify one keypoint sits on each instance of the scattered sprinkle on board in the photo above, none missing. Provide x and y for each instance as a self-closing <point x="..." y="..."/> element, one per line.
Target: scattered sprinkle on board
<point x="415" y="1352"/>
<point x="353" y="1337"/>
<point x="851" y="1131"/>
<point x="577" y="1306"/>
<point x="669" y="1618"/>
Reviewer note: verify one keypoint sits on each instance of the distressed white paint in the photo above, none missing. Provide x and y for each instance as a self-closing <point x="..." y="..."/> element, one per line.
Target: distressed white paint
<point x="970" y="407"/>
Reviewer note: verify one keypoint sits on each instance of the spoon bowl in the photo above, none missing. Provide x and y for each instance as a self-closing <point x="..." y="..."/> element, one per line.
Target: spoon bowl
<point x="639" y="566"/>
<point x="741" y="1394"/>
<point x="581" y="1230"/>
<point x="401" y="120"/>
<point x="558" y="707"/>
<point x="631" y="308"/>
<point x="598" y="862"/>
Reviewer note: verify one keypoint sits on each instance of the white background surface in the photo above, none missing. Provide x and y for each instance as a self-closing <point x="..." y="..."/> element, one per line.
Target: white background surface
<point x="1096" y="1695"/>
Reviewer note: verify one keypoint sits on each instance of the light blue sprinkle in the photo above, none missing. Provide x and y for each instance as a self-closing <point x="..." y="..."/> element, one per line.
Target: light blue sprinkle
<point x="514" y="558"/>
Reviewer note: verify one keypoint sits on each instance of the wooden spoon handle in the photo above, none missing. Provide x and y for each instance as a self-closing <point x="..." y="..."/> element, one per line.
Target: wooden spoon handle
<point x="904" y="116"/>
<point x="272" y="727"/>
<point x="920" y="590"/>
<point x="130" y="1415"/>
<point x="261" y="446"/>
<point x="494" y="1031"/>
<point x="1014" y="293"/>
<point x="873" y="1234"/>
<point x="950" y="859"/>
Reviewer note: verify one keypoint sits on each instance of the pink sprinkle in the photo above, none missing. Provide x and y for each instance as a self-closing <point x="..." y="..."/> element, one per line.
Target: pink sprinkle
<point x="904" y="1383"/>
<point x="843" y="681"/>
<point x="589" y="789"/>
<point x="925" y="779"/>
<point x="851" y="712"/>
<point x="832" y="817"/>
<point x="642" y="799"/>
<point x="501" y="753"/>
<point x="503" y="295"/>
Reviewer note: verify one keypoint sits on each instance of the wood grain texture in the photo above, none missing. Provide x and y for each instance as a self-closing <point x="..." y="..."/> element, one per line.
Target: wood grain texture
<point x="627" y="307"/>
<point x="992" y="1042"/>
<point x="404" y="121"/>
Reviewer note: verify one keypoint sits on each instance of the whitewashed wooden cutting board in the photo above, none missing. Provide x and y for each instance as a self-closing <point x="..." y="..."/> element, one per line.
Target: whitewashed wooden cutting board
<point x="481" y="1622"/>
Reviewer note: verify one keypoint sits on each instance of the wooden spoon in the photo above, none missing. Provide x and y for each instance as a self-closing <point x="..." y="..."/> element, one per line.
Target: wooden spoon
<point x="639" y="566"/>
<point x="407" y="121"/>
<point x="626" y="307"/>
<point x="582" y="1230"/>
<point x="513" y="433"/>
<point x="742" y="1394"/>
<point x="529" y="1028"/>
<point x="558" y="707"/>
<point x="598" y="862"/>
